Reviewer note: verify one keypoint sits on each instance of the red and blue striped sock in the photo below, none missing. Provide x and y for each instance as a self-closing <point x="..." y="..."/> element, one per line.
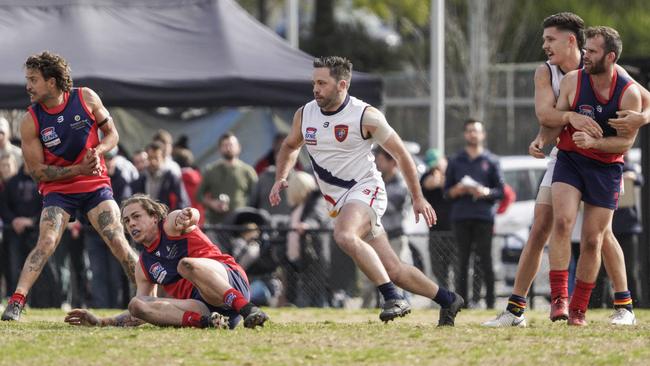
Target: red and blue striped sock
<point x="516" y="305"/>
<point x="623" y="299"/>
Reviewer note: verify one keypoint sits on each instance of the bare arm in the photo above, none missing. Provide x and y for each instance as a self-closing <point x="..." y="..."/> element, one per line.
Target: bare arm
<point x="35" y="161"/>
<point x="104" y="121"/>
<point x="632" y="101"/>
<point x="125" y="319"/>
<point x="545" y="136"/>
<point x="287" y="157"/>
<point x="549" y="114"/>
<point x="395" y="146"/>
<point x="180" y="222"/>
<point x="629" y="120"/>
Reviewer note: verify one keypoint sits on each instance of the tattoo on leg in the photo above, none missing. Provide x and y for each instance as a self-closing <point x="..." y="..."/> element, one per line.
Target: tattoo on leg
<point x="110" y="234"/>
<point x="37" y="260"/>
<point x="53" y="217"/>
<point x="128" y="265"/>
<point x="104" y="219"/>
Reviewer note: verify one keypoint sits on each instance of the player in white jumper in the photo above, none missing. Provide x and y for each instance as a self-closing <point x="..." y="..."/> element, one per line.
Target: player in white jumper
<point x="339" y="131"/>
<point x="563" y="41"/>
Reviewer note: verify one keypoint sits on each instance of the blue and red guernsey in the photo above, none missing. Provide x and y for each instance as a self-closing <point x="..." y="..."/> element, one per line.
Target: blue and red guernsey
<point x="66" y="132"/>
<point x="160" y="261"/>
<point x="589" y="103"/>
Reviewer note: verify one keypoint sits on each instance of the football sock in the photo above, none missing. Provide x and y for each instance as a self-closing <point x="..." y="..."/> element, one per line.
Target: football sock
<point x="581" y="295"/>
<point x="623" y="299"/>
<point x="192" y="319"/>
<point x="234" y="299"/>
<point x="444" y="297"/>
<point x="559" y="281"/>
<point x="19" y="298"/>
<point x="389" y="291"/>
<point x="516" y="305"/>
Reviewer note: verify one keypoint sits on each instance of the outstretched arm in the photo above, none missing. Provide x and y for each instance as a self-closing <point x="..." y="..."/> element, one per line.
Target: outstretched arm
<point x="35" y="161"/>
<point x="180" y="222"/>
<point x="84" y="317"/>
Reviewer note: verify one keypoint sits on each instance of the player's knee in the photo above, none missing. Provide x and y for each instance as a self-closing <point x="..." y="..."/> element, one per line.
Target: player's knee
<point x="185" y="267"/>
<point x="345" y="239"/>
<point x="592" y="241"/>
<point x="563" y="224"/>
<point x="137" y="306"/>
<point x="47" y="243"/>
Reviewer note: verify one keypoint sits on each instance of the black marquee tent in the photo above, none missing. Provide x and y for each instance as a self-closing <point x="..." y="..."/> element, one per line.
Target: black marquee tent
<point x="149" y="53"/>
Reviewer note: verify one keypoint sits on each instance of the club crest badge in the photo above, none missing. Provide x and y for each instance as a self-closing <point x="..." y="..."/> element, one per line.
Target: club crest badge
<point x="341" y="132"/>
<point x="587" y="110"/>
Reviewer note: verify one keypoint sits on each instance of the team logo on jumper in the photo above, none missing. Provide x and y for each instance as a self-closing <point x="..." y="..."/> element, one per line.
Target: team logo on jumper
<point x="77" y="118"/>
<point x="49" y="137"/>
<point x="341" y="132"/>
<point x="599" y="108"/>
<point x="59" y="119"/>
<point x="326" y="124"/>
<point x="158" y="272"/>
<point x="366" y="191"/>
<point x="587" y="110"/>
<point x="310" y="136"/>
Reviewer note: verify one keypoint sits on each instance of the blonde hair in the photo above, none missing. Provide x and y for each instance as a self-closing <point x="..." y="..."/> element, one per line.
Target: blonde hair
<point x="301" y="184"/>
<point x="149" y="205"/>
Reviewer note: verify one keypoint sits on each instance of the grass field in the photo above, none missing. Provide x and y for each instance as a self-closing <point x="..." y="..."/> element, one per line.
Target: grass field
<point x="330" y="337"/>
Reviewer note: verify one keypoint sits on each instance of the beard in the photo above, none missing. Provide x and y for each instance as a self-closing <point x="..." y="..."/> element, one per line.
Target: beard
<point x="596" y="67"/>
<point x="228" y="156"/>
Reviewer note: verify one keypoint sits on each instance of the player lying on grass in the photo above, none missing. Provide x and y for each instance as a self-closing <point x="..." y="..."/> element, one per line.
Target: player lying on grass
<point x="204" y="283"/>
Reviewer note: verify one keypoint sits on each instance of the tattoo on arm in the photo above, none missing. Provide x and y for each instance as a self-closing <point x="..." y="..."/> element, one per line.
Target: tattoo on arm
<point x="104" y="121"/>
<point x="126" y="320"/>
<point x="52" y="172"/>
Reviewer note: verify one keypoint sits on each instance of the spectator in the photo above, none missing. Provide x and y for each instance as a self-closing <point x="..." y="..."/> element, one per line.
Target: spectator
<point x="6" y="147"/>
<point x="21" y="211"/>
<point x="474" y="183"/>
<point x="442" y="249"/>
<point x="627" y="228"/>
<point x="268" y="160"/>
<point x="159" y="182"/>
<point x="140" y="160"/>
<point x="7" y="170"/>
<point x="227" y="183"/>
<point x="165" y="138"/>
<point x="191" y="178"/>
<point x="307" y="249"/>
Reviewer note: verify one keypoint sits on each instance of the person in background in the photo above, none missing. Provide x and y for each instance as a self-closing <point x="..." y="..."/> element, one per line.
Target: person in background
<point x="227" y="183"/>
<point x="6" y="147"/>
<point x="160" y="182"/>
<point x="442" y="248"/>
<point x="191" y="178"/>
<point x="474" y="183"/>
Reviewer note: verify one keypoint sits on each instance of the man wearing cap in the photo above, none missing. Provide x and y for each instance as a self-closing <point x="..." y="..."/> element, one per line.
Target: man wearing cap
<point x="442" y="248"/>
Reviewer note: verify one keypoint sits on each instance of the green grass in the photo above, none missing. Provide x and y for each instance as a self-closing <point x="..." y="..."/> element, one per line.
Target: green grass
<point x="330" y="337"/>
